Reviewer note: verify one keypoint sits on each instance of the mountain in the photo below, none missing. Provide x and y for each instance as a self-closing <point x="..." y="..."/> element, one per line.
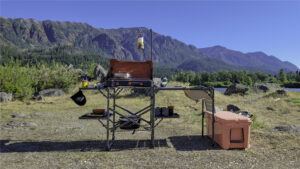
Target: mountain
<point x="117" y="43"/>
<point x="30" y="34"/>
<point x="206" y="64"/>
<point x="250" y="61"/>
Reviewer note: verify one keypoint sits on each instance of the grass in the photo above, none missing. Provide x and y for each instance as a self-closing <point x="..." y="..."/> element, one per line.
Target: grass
<point x="60" y="140"/>
<point x="296" y="101"/>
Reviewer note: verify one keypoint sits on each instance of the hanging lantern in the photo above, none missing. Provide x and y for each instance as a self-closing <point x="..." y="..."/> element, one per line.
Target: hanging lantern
<point x="141" y="43"/>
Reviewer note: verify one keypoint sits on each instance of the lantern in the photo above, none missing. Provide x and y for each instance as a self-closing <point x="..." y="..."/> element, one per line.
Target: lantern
<point x="141" y="42"/>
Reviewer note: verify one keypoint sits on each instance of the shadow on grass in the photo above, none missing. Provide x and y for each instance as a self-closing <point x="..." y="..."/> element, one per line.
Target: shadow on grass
<point x="193" y="143"/>
<point x="180" y="143"/>
<point x="93" y="145"/>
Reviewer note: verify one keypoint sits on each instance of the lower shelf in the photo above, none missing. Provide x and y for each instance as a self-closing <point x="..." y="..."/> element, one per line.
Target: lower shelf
<point x="94" y="116"/>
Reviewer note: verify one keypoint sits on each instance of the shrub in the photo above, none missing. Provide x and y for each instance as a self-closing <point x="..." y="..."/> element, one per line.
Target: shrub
<point x="23" y="81"/>
<point x="16" y="79"/>
<point x="54" y="76"/>
<point x="217" y="84"/>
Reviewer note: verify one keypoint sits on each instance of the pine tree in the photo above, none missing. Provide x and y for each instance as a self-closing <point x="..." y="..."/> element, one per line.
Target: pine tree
<point x="282" y="76"/>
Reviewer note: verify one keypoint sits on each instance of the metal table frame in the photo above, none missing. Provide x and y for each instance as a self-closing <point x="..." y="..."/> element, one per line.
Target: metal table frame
<point x="113" y="92"/>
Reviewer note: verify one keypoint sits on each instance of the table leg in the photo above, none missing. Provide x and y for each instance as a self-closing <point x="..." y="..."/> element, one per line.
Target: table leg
<point x="152" y="116"/>
<point x="114" y="115"/>
<point x="107" y="124"/>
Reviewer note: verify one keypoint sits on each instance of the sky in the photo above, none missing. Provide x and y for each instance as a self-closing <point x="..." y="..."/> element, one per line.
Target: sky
<point x="248" y="26"/>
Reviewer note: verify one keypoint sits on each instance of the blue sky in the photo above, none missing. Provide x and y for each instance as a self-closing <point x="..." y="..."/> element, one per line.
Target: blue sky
<point x="248" y="26"/>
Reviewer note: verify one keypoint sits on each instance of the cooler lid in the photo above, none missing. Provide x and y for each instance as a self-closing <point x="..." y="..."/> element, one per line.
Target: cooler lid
<point x="227" y="116"/>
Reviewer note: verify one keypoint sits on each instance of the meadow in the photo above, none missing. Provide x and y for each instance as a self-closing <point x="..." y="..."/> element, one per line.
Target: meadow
<point x="48" y="134"/>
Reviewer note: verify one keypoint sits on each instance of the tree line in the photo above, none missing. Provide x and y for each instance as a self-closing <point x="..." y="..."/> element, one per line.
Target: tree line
<point x="66" y="55"/>
<point x="60" y="54"/>
<point x="226" y="78"/>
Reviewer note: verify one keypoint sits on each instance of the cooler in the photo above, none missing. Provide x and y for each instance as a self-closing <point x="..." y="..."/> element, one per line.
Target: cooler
<point x="231" y="130"/>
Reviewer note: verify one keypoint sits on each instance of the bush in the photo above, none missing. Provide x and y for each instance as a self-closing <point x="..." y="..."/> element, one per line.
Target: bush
<point x="217" y="84"/>
<point x="23" y="81"/>
<point x="17" y="80"/>
<point x="54" y="76"/>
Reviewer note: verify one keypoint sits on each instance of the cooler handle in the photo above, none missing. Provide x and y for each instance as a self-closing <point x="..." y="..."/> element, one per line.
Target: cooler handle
<point x="237" y="141"/>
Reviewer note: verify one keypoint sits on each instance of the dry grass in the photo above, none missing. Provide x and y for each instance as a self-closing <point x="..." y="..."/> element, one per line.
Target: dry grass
<point x="60" y="140"/>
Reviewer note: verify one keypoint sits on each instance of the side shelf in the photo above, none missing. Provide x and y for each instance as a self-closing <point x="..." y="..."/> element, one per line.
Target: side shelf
<point x="94" y="116"/>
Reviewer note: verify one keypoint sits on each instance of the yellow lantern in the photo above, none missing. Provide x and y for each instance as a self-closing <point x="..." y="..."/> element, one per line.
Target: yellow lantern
<point x="141" y="42"/>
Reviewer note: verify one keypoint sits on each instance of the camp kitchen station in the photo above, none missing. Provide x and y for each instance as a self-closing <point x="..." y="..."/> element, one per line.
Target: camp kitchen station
<point x="227" y="129"/>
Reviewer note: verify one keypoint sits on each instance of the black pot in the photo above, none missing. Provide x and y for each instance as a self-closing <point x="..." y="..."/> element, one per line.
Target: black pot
<point x="79" y="98"/>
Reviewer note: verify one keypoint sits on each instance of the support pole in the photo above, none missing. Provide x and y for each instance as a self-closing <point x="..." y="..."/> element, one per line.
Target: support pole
<point x="151" y="43"/>
<point x="114" y="115"/>
<point x="202" y="117"/>
<point x="213" y="117"/>
<point x="152" y="114"/>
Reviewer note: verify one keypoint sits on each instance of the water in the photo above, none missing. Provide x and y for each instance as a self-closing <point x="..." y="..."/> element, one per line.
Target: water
<point x="292" y="89"/>
<point x="222" y="90"/>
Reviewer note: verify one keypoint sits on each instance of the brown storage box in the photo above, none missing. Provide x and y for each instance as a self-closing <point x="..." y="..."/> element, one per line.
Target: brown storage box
<point x="137" y="70"/>
<point x="231" y="130"/>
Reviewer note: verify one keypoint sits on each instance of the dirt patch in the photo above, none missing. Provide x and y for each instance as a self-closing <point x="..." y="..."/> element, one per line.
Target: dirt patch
<point x="42" y="113"/>
<point x="291" y="129"/>
<point x="17" y="115"/>
<point x="17" y="124"/>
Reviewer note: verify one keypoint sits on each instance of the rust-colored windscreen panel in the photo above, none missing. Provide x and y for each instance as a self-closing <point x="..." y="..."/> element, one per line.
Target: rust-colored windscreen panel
<point x="137" y="70"/>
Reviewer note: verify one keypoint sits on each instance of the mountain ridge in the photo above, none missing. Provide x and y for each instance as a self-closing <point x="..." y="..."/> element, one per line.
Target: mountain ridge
<point x="120" y="43"/>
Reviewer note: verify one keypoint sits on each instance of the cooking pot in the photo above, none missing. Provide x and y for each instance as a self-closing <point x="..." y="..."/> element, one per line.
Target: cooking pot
<point x="79" y="98"/>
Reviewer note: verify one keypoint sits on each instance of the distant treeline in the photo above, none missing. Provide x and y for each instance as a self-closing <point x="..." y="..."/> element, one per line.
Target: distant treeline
<point x="226" y="78"/>
<point x="65" y="55"/>
<point x="60" y="54"/>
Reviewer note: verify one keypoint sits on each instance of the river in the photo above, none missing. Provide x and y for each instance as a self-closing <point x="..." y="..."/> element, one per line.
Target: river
<point x="222" y="90"/>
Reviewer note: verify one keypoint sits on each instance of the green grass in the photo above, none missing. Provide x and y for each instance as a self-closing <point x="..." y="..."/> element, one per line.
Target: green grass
<point x="73" y="143"/>
<point x="295" y="101"/>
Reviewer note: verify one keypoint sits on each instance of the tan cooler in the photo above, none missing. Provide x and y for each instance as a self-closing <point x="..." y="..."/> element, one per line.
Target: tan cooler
<point x="231" y="130"/>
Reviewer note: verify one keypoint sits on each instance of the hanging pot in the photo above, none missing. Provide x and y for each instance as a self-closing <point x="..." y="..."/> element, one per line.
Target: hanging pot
<point x="79" y="98"/>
